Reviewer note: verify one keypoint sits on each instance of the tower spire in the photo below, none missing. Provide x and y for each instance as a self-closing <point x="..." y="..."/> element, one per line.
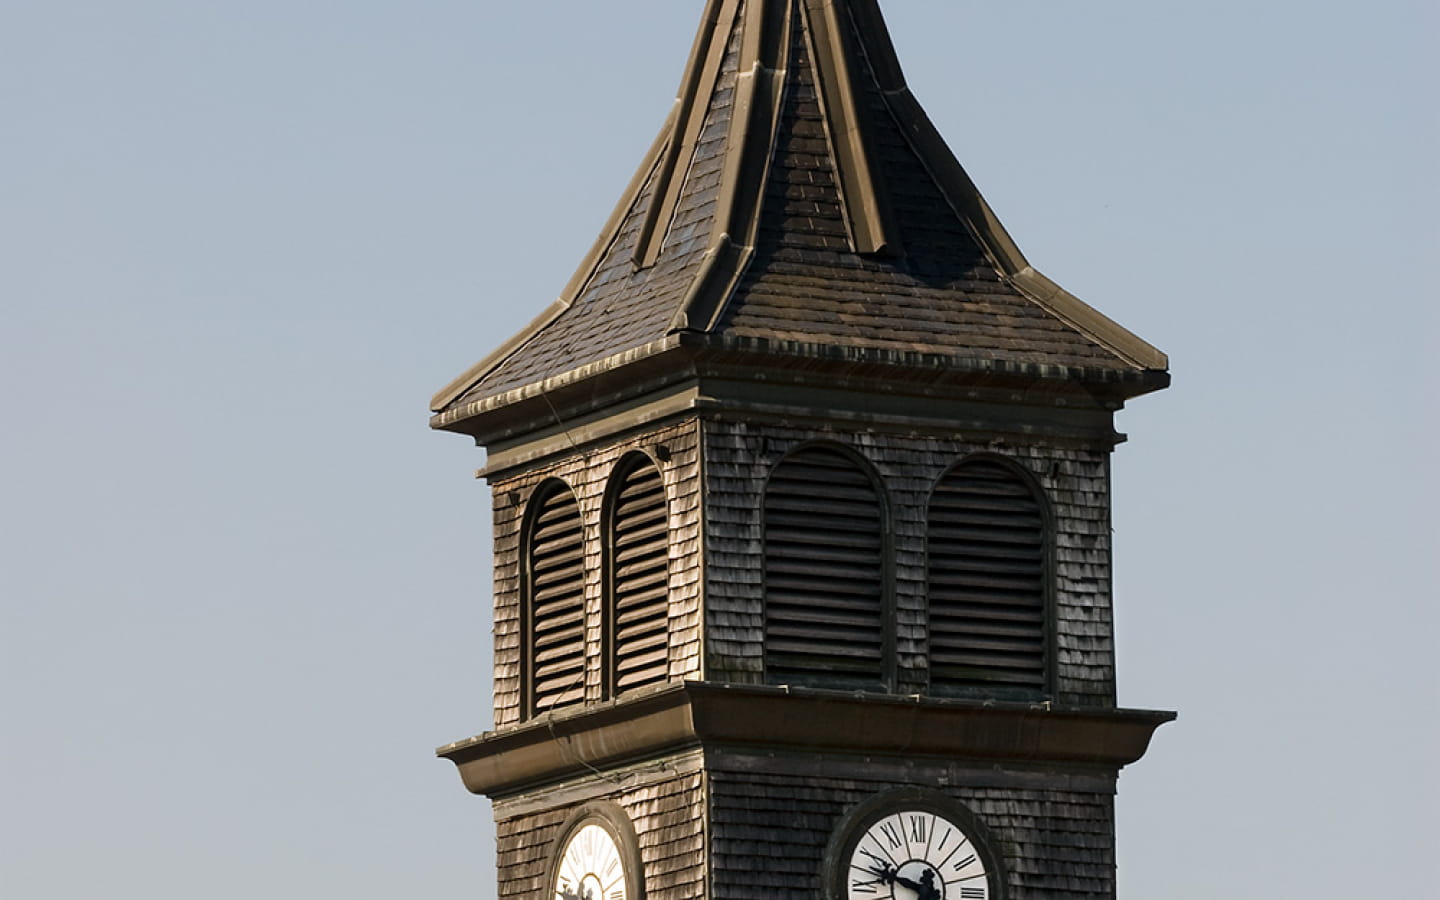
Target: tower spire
<point x="798" y="202"/>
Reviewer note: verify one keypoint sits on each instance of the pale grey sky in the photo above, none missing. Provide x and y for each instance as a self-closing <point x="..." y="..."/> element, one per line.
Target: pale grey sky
<point x="244" y="591"/>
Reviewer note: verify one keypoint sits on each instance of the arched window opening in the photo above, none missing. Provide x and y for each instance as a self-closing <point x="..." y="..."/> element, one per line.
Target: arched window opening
<point x="824" y="574"/>
<point x="638" y="549"/>
<point x="555" y="600"/>
<point x="988" y="592"/>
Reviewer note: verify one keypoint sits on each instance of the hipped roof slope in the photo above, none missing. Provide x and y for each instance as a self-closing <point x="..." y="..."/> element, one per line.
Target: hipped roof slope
<point x="798" y="201"/>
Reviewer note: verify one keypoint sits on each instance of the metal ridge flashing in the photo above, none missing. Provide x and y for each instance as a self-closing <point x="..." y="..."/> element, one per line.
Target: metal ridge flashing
<point x="684" y="715"/>
<point x="749" y="145"/>
<point x="692" y="106"/>
<point x="863" y="192"/>
<point x="476" y="373"/>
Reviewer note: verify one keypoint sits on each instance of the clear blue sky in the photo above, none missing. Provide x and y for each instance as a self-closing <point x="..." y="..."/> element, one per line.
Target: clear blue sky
<point x="244" y="591"/>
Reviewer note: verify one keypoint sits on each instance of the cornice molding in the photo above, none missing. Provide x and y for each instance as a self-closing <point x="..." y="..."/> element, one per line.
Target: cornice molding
<point x="687" y="715"/>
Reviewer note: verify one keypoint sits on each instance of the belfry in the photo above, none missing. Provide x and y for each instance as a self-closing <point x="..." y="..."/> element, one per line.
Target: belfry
<point x="802" y="516"/>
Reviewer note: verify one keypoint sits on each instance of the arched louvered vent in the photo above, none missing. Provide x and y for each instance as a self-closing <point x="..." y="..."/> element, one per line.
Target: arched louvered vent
<point x="824" y="574"/>
<point x="639" y="556"/>
<point x="555" y="608"/>
<point x="987" y="571"/>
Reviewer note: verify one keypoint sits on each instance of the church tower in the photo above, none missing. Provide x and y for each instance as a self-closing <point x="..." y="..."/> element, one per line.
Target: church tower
<point x="802" y="516"/>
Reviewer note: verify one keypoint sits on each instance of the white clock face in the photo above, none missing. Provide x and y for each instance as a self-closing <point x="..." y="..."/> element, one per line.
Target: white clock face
<point x="916" y="855"/>
<point x="591" y="867"/>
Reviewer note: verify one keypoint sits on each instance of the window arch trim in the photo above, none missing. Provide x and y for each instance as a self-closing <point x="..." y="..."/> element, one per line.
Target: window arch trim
<point x="886" y="556"/>
<point x="628" y="465"/>
<point x="530" y="694"/>
<point x="1048" y="576"/>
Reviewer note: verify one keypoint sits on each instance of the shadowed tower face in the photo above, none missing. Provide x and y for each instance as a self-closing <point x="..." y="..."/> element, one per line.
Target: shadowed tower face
<point x="801" y="497"/>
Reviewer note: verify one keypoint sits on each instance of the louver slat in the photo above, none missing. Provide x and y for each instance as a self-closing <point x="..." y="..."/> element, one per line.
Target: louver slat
<point x="824" y="582"/>
<point x="639" y="573"/>
<point x="987" y="569"/>
<point x="557" y="602"/>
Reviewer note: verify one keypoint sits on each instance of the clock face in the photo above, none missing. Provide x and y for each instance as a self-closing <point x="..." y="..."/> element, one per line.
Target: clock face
<point x="591" y="867"/>
<point x="916" y="854"/>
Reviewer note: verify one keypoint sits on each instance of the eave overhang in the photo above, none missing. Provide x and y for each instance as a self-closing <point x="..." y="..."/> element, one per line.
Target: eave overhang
<point x="692" y="715"/>
<point x="688" y="357"/>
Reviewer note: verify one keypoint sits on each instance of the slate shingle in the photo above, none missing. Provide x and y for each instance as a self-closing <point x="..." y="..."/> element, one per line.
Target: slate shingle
<point x="957" y="288"/>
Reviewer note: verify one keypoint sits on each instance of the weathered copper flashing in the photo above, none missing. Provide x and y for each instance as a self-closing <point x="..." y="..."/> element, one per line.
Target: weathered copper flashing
<point x="863" y="191"/>
<point x="754" y="125"/>
<point x="692" y="106"/>
<point x="700" y="714"/>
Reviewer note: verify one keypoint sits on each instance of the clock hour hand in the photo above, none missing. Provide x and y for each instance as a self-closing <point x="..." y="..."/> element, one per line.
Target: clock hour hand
<point x="891" y="875"/>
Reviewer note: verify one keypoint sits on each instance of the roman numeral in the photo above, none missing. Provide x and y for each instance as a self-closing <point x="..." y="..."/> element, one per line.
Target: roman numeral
<point x="617" y="894"/>
<point x="892" y="834"/>
<point x="864" y="887"/>
<point x="917" y="829"/>
<point x="973" y="893"/>
<point x="965" y="862"/>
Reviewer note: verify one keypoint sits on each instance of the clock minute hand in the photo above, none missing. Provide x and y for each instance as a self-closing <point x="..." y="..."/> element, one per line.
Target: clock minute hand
<point x="891" y="875"/>
<point x="913" y="885"/>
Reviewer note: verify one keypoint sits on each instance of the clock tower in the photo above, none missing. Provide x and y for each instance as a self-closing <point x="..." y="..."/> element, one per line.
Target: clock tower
<point x="802" y="516"/>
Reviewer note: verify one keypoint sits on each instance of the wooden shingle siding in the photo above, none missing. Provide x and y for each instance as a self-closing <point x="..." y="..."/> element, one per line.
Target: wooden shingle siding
<point x="824" y="573"/>
<point x="667" y="812"/>
<point x="555" y="600"/>
<point x="988" y="581"/>
<point x="1055" y="843"/>
<point x="1075" y="481"/>
<point x="637" y="541"/>
<point x="588" y="474"/>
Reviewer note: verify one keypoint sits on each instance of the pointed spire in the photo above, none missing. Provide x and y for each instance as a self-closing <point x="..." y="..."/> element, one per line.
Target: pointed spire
<point x="799" y="201"/>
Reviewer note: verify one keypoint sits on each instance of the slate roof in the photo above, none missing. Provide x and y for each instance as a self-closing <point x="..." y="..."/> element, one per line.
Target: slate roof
<point x="799" y="201"/>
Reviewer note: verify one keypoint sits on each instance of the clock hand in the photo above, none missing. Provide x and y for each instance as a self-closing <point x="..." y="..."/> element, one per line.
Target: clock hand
<point x="885" y="872"/>
<point x="915" y="886"/>
<point x="891" y="875"/>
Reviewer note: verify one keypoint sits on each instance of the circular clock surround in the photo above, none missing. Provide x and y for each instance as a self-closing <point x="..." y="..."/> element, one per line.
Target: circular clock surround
<point x="596" y="857"/>
<point x="912" y="844"/>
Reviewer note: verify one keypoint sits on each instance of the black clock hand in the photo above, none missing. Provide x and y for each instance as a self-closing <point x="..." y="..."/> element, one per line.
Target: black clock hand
<point x="892" y="876"/>
<point x="926" y="892"/>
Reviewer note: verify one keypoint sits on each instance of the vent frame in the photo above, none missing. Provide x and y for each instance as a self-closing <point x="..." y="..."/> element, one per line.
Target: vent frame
<point x="885" y="566"/>
<point x="1046" y="686"/>
<point x="537" y="506"/>
<point x="628" y="465"/>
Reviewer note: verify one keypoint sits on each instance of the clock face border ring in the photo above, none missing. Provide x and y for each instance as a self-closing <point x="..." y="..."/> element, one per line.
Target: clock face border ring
<point x="616" y="822"/>
<point x="857" y="820"/>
